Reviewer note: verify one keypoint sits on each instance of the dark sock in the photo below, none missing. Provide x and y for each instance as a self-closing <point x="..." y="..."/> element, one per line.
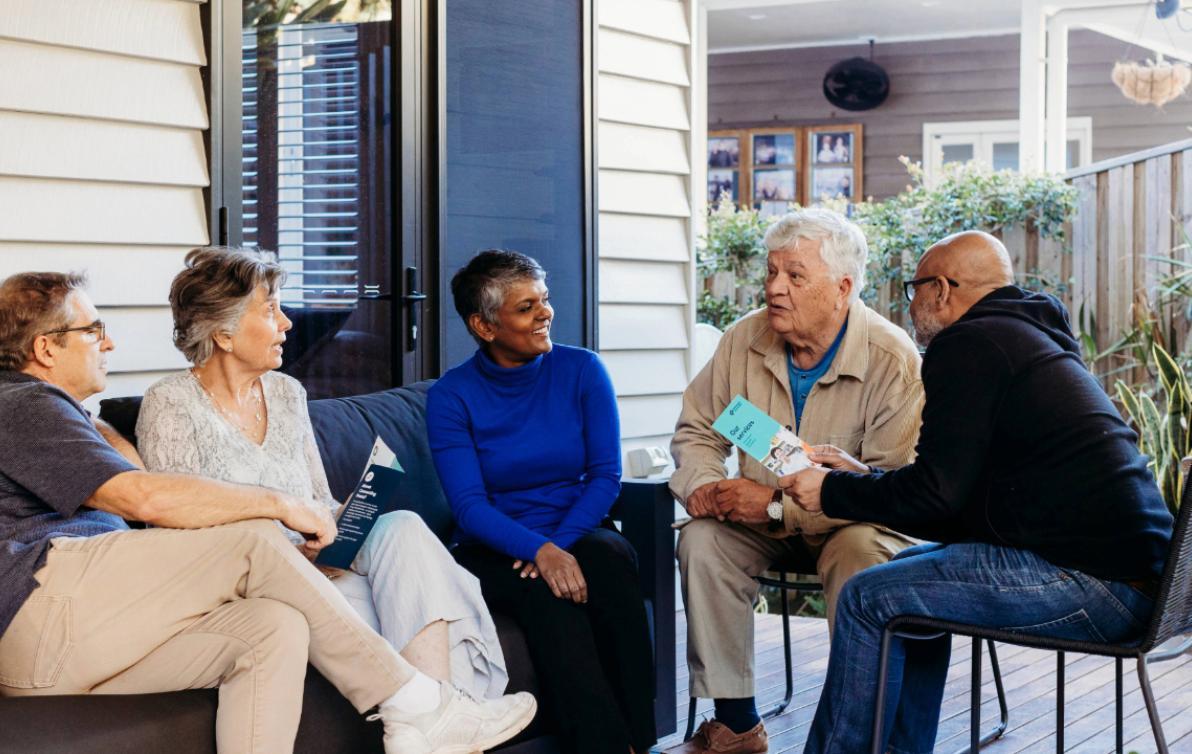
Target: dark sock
<point x="739" y="715"/>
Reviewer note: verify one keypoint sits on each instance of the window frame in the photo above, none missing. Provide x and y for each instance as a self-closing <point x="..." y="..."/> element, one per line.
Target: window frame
<point x="982" y="135"/>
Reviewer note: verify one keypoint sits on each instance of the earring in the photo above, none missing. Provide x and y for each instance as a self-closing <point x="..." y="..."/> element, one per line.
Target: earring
<point x="228" y="348"/>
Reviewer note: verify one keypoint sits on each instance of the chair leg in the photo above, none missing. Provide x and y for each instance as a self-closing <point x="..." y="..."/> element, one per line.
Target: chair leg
<point x="1118" y="703"/>
<point x="879" y="705"/>
<point x="1059" y="702"/>
<point x="690" y="720"/>
<point x="1003" y="709"/>
<point x="779" y="708"/>
<point x="975" y="699"/>
<point x="1144" y="681"/>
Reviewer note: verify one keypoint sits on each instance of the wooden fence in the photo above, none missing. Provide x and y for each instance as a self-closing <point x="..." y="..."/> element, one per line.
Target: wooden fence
<point x="1134" y="214"/>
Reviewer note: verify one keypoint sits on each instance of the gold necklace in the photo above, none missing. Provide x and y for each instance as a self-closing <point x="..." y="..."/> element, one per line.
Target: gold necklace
<point x="255" y="393"/>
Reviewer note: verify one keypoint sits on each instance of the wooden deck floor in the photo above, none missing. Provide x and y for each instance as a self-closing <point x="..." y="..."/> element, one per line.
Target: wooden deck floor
<point x="1029" y="677"/>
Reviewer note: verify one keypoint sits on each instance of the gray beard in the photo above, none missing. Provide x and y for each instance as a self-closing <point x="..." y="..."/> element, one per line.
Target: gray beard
<point x="926" y="328"/>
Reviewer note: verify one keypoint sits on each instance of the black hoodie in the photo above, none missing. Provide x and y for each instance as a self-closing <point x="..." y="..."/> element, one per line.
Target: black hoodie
<point x="1020" y="446"/>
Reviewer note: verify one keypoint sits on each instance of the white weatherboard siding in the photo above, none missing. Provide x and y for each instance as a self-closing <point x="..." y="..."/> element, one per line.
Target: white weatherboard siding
<point x="648" y="99"/>
<point x="105" y="102"/>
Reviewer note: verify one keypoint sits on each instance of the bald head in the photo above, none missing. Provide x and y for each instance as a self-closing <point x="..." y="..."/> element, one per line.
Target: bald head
<point x="974" y="259"/>
<point x="973" y="264"/>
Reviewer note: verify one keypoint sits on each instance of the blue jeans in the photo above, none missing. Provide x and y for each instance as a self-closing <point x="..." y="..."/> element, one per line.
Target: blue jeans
<point x="979" y="584"/>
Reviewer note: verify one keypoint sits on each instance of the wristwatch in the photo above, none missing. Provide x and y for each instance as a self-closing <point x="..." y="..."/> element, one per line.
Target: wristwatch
<point x="774" y="508"/>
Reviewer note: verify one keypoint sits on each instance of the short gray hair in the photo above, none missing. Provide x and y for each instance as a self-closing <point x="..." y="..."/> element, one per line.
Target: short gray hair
<point x="842" y="244"/>
<point x="480" y="286"/>
<point x="211" y="293"/>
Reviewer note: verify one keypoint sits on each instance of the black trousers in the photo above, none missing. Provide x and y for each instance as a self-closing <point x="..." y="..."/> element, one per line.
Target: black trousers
<point x="594" y="661"/>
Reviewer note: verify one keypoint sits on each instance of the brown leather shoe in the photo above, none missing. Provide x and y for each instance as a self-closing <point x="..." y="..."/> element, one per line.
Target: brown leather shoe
<point x="717" y="738"/>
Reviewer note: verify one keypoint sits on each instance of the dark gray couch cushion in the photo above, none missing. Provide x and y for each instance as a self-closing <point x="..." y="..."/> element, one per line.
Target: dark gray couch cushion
<point x="345" y="429"/>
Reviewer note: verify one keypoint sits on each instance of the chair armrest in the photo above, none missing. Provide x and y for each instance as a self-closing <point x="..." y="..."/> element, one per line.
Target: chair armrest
<point x="646" y="510"/>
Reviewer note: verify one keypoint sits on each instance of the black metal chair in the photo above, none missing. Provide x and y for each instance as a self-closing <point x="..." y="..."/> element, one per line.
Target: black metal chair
<point x="1172" y="618"/>
<point x="800" y="566"/>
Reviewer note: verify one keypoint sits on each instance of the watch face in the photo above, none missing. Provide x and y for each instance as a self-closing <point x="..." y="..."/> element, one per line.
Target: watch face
<point x="774" y="510"/>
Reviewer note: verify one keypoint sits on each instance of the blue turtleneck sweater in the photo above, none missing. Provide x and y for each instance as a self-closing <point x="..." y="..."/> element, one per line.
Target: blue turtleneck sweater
<point x="528" y="454"/>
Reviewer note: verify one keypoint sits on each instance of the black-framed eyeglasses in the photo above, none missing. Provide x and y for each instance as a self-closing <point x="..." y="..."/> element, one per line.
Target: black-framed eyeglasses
<point x="97" y="329"/>
<point x="908" y="287"/>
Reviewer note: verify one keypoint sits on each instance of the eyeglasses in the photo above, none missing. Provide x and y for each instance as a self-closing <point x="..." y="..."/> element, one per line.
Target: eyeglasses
<point x="908" y="287"/>
<point x="96" y="332"/>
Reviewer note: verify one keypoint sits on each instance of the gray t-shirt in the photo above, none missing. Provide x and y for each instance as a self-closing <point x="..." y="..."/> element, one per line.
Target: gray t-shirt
<point x="52" y="459"/>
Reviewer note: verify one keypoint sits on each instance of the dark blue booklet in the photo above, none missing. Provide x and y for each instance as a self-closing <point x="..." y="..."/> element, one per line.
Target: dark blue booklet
<point x="375" y="495"/>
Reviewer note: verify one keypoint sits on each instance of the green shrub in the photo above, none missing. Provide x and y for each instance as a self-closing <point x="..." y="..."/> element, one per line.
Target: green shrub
<point x="1163" y="422"/>
<point x="967" y="197"/>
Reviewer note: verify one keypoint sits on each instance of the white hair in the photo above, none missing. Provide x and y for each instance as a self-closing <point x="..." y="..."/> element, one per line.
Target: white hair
<point x="842" y="244"/>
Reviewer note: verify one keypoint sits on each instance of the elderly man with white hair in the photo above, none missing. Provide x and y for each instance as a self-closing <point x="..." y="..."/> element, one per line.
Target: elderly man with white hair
<point x="817" y="359"/>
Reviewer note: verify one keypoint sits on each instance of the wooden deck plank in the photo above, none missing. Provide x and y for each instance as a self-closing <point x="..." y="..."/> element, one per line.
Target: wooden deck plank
<point x="1028" y="675"/>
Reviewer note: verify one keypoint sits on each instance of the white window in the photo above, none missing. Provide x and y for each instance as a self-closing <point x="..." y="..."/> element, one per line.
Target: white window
<point x="995" y="143"/>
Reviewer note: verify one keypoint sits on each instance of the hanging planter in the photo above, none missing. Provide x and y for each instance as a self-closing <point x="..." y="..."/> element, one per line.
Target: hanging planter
<point x="1152" y="83"/>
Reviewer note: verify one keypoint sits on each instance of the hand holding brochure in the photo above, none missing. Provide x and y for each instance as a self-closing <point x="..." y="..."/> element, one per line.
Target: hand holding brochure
<point x="776" y="447"/>
<point x="375" y="494"/>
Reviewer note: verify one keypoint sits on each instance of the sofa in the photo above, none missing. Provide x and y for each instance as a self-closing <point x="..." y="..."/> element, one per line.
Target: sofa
<point x="184" y="722"/>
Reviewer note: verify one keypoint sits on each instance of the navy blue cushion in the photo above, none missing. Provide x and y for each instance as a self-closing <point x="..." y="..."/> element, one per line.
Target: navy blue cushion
<point x="345" y="429"/>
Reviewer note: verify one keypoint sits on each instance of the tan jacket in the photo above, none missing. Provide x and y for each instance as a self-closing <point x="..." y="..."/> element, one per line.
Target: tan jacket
<point x="867" y="403"/>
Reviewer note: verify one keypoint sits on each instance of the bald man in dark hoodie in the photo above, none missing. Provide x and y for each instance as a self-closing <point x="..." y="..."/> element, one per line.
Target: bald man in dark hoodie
<point x="1046" y="519"/>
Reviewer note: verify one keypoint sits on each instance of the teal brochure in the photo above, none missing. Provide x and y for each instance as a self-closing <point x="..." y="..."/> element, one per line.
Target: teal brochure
<point x="776" y="447"/>
<point x="747" y="427"/>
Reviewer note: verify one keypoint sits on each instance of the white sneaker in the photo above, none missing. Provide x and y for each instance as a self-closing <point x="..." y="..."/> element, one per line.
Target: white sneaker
<point x="459" y="725"/>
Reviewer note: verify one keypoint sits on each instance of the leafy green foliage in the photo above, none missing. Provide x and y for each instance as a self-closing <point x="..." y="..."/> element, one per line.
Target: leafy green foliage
<point x="266" y="15"/>
<point x="899" y="229"/>
<point x="968" y="196"/>
<point x="1164" y="434"/>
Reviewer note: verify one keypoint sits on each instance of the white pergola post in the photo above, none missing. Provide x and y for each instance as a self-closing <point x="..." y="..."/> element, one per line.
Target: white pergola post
<point x="1031" y="80"/>
<point x="1056" y="131"/>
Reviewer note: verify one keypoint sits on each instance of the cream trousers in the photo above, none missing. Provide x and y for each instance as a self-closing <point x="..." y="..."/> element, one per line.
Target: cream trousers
<point x="719" y="563"/>
<point x="233" y="606"/>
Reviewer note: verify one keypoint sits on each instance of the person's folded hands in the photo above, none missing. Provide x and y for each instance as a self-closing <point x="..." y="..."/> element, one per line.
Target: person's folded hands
<point x="743" y="500"/>
<point x="702" y="502"/>
<point x="804" y="487"/>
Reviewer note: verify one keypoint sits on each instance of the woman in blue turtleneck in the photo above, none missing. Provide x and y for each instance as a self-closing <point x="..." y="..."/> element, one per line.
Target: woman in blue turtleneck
<point x="525" y="439"/>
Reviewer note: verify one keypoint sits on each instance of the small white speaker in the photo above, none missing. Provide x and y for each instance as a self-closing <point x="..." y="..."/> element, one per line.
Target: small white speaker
<point x="644" y="462"/>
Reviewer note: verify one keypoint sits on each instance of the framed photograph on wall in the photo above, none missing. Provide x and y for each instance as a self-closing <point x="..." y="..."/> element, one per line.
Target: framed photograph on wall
<point x="835" y="156"/>
<point x="724" y="151"/>
<point x="832" y="183"/>
<point x="833" y="147"/>
<point x="776" y="185"/>
<point x="774" y="148"/>
<point x="724" y="165"/>
<point x="722" y="181"/>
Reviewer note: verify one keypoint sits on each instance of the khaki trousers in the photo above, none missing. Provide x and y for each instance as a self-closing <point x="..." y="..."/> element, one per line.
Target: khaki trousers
<point x="719" y="563"/>
<point x="233" y="606"/>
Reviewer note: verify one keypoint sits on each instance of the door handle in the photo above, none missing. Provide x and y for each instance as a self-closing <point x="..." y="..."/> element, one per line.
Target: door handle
<point x="412" y="298"/>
